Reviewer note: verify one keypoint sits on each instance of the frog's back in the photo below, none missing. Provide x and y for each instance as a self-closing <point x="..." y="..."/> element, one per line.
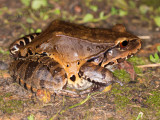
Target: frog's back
<point x="70" y="40"/>
<point x="94" y="35"/>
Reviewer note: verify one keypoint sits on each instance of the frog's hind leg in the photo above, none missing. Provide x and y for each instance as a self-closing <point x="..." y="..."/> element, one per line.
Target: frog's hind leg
<point x="41" y="75"/>
<point x="21" y="42"/>
<point x="101" y="77"/>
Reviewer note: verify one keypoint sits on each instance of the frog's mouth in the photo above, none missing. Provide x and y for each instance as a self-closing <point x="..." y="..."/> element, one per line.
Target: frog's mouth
<point x="118" y="54"/>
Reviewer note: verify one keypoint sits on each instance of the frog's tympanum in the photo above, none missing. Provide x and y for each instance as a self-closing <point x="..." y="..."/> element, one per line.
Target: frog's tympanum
<point x="67" y="55"/>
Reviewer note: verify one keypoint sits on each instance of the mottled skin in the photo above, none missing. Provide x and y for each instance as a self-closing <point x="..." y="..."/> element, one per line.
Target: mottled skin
<point x="81" y="52"/>
<point x="39" y="72"/>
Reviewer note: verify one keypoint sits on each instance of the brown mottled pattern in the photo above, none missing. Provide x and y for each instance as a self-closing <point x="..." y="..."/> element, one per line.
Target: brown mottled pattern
<point x="96" y="68"/>
<point x="35" y="75"/>
<point x="96" y="74"/>
<point x="48" y="61"/>
<point x="44" y="59"/>
<point x="51" y="64"/>
<point x="22" y="69"/>
<point x="58" y="69"/>
<point x="19" y="64"/>
<point x="30" y="69"/>
<point x="72" y="38"/>
<point x="92" y="34"/>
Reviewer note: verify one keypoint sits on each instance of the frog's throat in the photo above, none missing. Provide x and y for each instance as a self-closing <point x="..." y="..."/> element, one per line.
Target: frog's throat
<point x="72" y="70"/>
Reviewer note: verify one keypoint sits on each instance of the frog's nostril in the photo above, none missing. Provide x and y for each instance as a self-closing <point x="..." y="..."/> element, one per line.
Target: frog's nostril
<point x="73" y="78"/>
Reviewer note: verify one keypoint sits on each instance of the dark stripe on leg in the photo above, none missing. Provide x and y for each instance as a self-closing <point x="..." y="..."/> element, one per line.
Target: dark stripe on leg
<point x="32" y="37"/>
<point x="19" y="81"/>
<point x="58" y="69"/>
<point x="19" y="64"/>
<point x="26" y="40"/>
<point x="25" y="86"/>
<point x="21" y="43"/>
<point x="52" y="64"/>
<point x="30" y="69"/>
<point x="44" y="59"/>
<point x="37" y="34"/>
<point x="33" y="90"/>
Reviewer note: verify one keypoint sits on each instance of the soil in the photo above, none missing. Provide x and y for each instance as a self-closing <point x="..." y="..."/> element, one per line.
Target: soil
<point x="120" y="103"/>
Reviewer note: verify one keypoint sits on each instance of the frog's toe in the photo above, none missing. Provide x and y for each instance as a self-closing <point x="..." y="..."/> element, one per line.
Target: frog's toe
<point x="101" y="88"/>
<point x="105" y="88"/>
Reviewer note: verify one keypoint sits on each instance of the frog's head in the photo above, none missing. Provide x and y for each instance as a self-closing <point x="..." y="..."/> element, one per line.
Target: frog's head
<point x="126" y="44"/>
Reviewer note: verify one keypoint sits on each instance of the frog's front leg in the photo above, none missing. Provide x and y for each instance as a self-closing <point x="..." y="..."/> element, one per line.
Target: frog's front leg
<point x="99" y="76"/>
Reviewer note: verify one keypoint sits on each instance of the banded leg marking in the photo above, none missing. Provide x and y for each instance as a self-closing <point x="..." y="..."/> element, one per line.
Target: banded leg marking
<point x="34" y="75"/>
<point x="15" y="46"/>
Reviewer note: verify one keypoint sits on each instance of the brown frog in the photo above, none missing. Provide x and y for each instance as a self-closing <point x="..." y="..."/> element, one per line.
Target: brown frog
<point x="71" y="55"/>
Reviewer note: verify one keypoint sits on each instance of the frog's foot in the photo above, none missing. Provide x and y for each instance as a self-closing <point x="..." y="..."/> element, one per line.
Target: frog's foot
<point x="102" y="88"/>
<point x="96" y="88"/>
<point x="101" y="77"/>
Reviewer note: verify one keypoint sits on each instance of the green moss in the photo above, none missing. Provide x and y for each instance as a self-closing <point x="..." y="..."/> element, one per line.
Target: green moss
<point x="149" y="105"/>
<point x="137" y="70"/>
<point x="7" y="95"/>
<point x="158" y="114"/>
<point x="111" y="118"/>
<point x="9" y="105"/>
<point x="121" y="101"/>
<point x="136" y="60"/>
<point x="154" y="99"/>
<point x="122" y="75"/>
<point x="122" y="95"/>
<point x="4" y="52"/>
<point x="12" y="106"/>
<point x="116" y="90"/>
<point x="153" y="3"/>
<point x="31" y="117"/>
<point x="153" y="103"/>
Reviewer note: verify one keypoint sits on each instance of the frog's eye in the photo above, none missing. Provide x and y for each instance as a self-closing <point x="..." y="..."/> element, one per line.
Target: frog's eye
<point x="124" y="43"/>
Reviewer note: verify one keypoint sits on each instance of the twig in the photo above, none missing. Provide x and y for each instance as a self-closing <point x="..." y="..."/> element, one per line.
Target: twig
<point x="81" y="103"/>
<point x="78" y="104"/>
<point x="149" y="65"/>
<point x="144" y="37"/>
